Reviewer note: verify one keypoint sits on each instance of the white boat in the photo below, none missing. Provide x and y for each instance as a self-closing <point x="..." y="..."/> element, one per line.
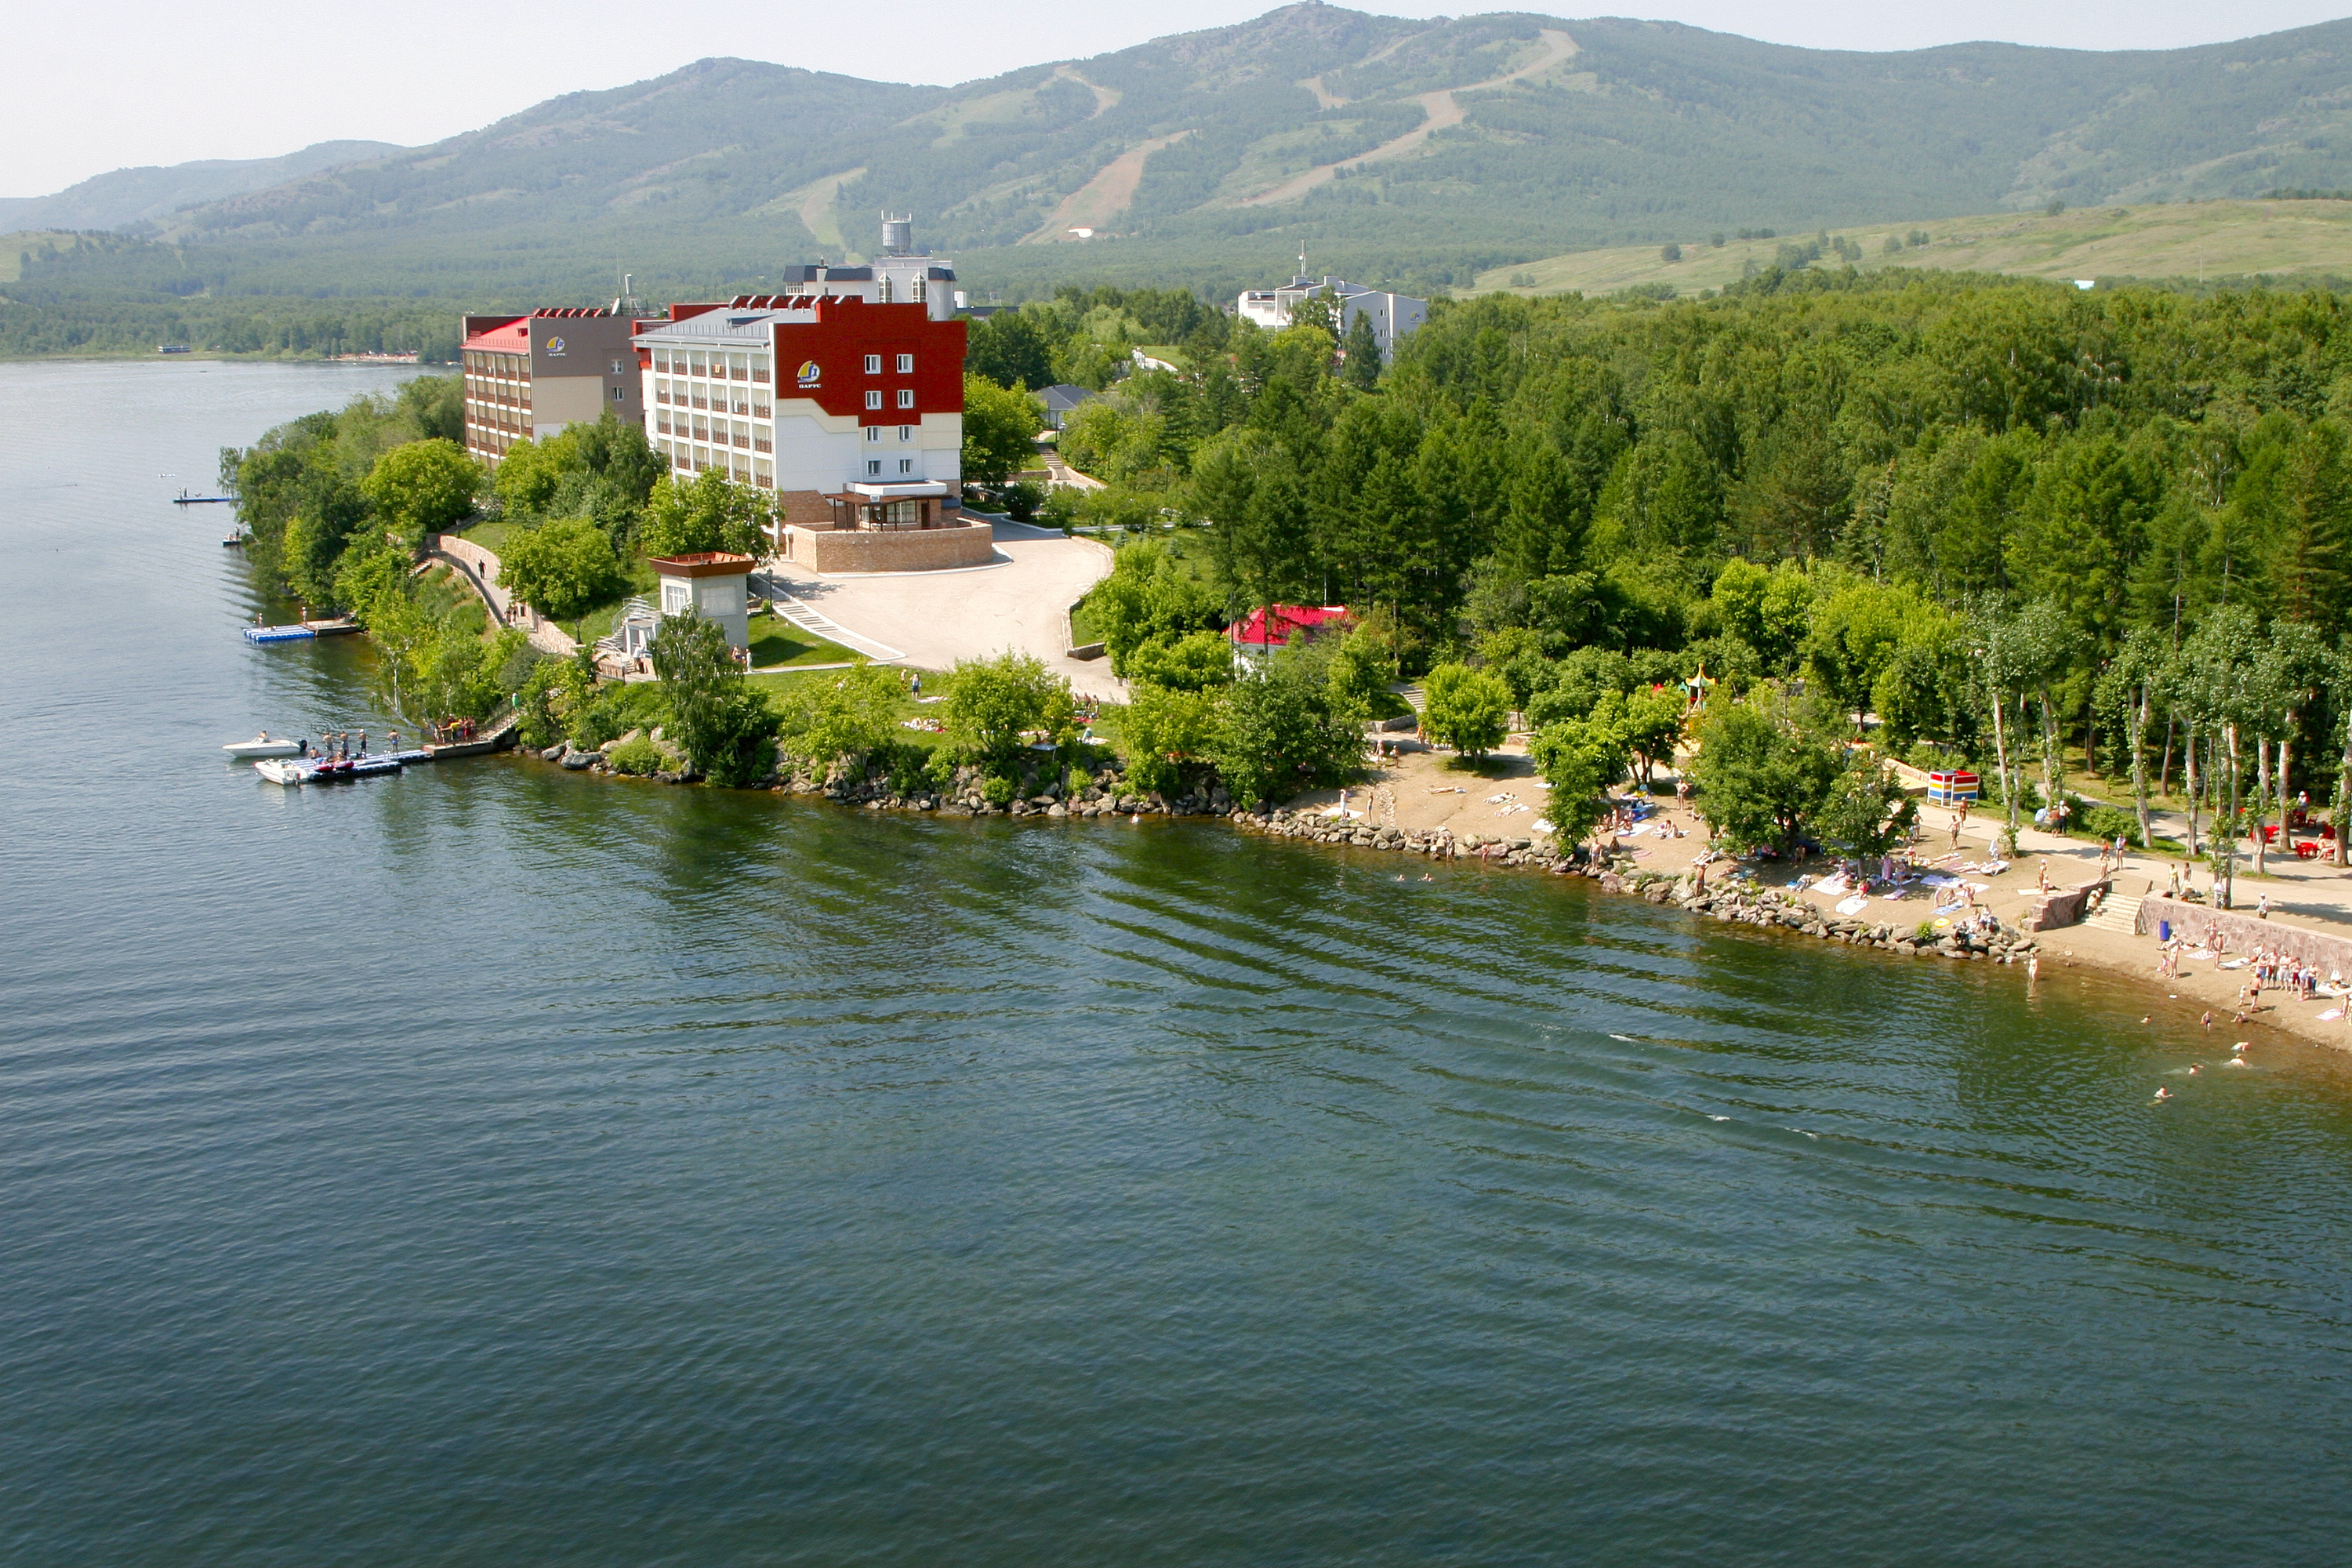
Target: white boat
<point x="284" y="772"/>
<point x="261" y="746"/>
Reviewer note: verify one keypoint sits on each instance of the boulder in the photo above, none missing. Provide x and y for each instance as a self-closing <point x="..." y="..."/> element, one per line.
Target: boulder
<point x="575" y="761"/>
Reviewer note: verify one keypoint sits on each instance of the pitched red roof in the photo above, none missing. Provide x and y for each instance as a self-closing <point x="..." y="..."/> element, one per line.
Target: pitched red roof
<point x="1287" y="621"/>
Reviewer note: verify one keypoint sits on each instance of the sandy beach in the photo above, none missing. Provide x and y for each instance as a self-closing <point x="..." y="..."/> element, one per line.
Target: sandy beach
<point x="1421" y="790"/>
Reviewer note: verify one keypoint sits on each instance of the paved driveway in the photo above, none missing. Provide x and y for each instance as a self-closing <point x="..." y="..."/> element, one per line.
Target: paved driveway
<point x="930" y="619"/>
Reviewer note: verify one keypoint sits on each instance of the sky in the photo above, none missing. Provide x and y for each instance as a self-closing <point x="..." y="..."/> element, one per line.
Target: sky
<point x="108" y="84"/>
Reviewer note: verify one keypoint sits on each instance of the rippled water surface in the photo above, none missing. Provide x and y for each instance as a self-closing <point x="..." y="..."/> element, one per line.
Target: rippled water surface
<point x="497" y="1165"/>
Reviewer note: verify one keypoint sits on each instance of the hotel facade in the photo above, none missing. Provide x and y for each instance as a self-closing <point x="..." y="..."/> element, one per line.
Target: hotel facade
<point x="528" y="377"/>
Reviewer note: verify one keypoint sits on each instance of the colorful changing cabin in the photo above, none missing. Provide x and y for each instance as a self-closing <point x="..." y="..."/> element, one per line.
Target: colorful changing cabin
<point x="1952" y="788"/>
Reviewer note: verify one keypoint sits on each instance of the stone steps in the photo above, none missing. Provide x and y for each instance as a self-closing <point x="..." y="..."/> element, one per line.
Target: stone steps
<point x="2119" y="914"/>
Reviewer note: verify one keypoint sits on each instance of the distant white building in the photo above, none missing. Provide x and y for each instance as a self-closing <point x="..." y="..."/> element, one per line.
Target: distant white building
<point x="1394" y="317"/>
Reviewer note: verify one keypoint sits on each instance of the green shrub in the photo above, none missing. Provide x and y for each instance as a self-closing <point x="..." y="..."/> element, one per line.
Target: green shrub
<point x="997" y="789"/>
<point x="637" y="755"/>
<point x="1924" y="932"/>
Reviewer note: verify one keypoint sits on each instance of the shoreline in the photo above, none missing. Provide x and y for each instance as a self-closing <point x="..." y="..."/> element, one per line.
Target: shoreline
<point x="1313" y="818"/>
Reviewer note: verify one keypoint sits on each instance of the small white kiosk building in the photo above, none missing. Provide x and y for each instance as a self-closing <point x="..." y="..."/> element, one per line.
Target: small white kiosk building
<point x="715" y="585"/>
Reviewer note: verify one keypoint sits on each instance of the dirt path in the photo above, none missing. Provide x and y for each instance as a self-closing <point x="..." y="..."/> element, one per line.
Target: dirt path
<point x="1106" y="98"/>
<point x="1440" y="110"/>
<point x="1105" y="196"/>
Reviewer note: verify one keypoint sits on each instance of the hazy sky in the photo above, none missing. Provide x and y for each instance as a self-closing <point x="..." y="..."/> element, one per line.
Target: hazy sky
<point x="116" y="82"/>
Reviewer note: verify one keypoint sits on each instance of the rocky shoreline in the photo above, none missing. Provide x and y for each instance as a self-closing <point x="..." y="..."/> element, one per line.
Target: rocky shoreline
<point x="1737" y="902"/>
<point x="1102" y="794"/>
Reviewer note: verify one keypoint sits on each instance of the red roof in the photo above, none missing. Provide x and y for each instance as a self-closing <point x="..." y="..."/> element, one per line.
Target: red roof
<point x="513" y="337"/>
<point x="1251" y="631"/>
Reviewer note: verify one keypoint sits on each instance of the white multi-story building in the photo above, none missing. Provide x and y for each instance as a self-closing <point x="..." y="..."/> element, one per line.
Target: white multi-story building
<point x="1394" y="317"/>
<point x="843" y="408"/>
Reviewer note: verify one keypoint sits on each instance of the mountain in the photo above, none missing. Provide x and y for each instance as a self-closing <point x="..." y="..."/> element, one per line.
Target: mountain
<point x="1422" y="151"/>
<point x="130" y="197"/>
<point x="2216" y="240"/>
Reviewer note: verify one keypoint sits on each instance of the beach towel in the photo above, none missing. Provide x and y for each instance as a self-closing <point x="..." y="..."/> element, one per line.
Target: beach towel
<point x="2331" y="1014"/>
<point x="1852" y="906"/>
<point x="1540" y="826"/>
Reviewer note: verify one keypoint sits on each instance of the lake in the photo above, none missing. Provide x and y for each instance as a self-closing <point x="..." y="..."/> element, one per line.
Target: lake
<point x="497" y="1165"/>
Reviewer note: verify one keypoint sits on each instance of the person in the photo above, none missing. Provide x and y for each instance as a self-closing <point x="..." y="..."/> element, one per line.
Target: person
<point x="2176" y="882"/>
<point x="2195" y="1068"/>
<point x="919" y="685"/>
<point x="2033" y="968"/>
<point x="2263" y="909"/>
<point x="2163" y="1093"/>
<point x="2209" y="1018"/>
<point x="2044" y="875"/>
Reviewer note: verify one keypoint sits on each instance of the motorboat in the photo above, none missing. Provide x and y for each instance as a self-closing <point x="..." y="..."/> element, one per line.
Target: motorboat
<point x="334" y="770"/>
<point x="261" y="746"/>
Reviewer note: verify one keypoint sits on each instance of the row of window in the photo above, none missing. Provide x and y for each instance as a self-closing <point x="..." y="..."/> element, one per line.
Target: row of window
<point x="874" y="365"/>
<point x="905" y="398"/>
<point x="697" y="460"/>
<point x="705" y="362"/>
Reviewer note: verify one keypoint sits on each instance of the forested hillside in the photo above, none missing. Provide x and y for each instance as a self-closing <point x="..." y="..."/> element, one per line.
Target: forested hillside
<point x="1420" y="151"/>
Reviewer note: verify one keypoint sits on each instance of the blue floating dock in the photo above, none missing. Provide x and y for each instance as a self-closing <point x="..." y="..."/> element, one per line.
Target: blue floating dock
<point x="279" y="634"/>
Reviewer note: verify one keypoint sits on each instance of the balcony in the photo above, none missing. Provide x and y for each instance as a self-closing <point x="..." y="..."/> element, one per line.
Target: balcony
<point x="761" y="444"/>
<point x="744" y="441"/>
<point x="760" y="376"/>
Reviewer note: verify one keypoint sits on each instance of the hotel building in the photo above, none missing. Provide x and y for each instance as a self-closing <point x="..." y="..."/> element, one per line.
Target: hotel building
<point x="529" y="376"/>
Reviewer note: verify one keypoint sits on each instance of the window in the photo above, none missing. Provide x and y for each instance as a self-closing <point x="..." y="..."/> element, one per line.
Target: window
<point x="882" y="295"/>
<point x="906" y="432"/>
<point x="616" y="366"/>
<point x="616" y="394"/>
<point x="906" y="397"/>
<point x="873" y="468"/>
<point x="873" y="400"/>
<point x="661" y="359"/>
<point x="874" y="432"/>
<point x="677" y="596"/>
<point x="906" y="465"/>
<point x="874" y="365"/>
<point x="906" y="364"/>
<point x="760" y="368"/>
<point x="739" y="366"/>
<point x="699" y="364"/>
<point x="921" y="293"/>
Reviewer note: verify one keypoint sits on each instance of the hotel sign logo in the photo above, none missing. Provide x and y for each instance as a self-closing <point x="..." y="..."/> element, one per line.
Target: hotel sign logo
<point x="555" y="347"/>
<point x="810" y="373"/>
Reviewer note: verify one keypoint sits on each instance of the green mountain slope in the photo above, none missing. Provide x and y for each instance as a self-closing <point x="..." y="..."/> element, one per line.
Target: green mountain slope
<point x="2215" y="240"/>
<point x="130" y="196"/>
<point x="1425" y="152"/>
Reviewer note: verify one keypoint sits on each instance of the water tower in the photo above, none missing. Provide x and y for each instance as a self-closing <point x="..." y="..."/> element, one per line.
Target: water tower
<point x="897" y="235"/>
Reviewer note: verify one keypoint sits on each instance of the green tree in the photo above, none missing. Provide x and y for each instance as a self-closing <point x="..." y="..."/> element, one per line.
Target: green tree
<point x="1579" y="759"/>
<point x="422" y="488"/>
<point x="525" y="478"/>
<point x="1356" y="684"/>
<point x="1362" y="370"/>
<point x="1468" y="709"/>
<point x="993" y="704"/>
<point x="1278" y="734"/>
<point x="562" y="567"/>
<point x="719" y="722"/>
<point x="708" y="513"/>
<point x="999" y="430"/>
<point x="1197" y="661"/>
<point x="1866" y="812"/>
<point x="1650" y="721"/>
<point x="1760" y="784"/>
<point x="842" y="714"/>
<point x="1010" y="349"/>
<point x="1856" y="631"/>
<point x="1167" y="729"/>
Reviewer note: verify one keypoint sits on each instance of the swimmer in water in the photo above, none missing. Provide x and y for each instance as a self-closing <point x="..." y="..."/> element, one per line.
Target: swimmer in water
<point x="2143" y="1020"/>
<point x="2194" y="1068"/>
<point x="1427" y="878"/>
<point x="2163" y="1094"/>
<point x="2209" y="1020"/>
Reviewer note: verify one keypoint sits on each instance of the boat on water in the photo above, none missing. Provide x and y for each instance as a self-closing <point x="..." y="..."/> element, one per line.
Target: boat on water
<point x="294" y="771"/>
<point x="300" y="631"/>
<point x="261" y="746"/>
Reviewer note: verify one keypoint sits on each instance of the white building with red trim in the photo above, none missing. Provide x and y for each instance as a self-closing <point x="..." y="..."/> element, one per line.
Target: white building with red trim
<point x="826" y="403"/>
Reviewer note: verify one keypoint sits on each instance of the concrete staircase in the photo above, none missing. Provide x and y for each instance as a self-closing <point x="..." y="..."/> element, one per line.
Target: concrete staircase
<point x="2119" y="914"/>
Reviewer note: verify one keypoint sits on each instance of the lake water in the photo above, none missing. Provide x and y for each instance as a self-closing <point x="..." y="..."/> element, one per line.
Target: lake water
<point x="497" y="1165"/>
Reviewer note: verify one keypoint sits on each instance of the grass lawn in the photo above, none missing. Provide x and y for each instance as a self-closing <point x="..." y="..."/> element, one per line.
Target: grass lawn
<point x="777" y="644"/>
<point x="490" y="534"/>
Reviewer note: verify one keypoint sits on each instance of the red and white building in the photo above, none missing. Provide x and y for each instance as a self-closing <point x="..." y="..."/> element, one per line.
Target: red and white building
<point x="529" y="376"/>
<point x="1271" y="627"/>
<point x="849" y="411"/>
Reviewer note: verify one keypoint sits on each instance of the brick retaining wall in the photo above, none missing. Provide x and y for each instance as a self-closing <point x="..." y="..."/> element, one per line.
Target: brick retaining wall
<point x="826" y="550"/>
